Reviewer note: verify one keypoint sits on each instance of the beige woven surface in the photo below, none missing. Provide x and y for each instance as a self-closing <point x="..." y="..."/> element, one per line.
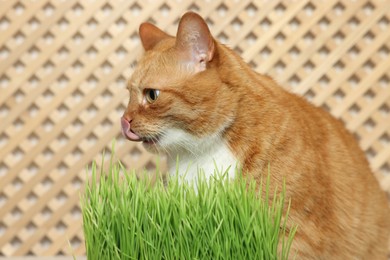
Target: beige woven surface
<point x="63" y="68"/>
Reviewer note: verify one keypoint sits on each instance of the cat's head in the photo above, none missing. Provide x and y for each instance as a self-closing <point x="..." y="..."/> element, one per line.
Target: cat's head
<point x="177" y="95"/>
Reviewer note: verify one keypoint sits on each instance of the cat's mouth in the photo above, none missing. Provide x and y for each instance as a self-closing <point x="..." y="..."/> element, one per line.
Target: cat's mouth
<point x="150" y="140"/>
<point x="127" y="132"/>
<point x="132" y="136"/>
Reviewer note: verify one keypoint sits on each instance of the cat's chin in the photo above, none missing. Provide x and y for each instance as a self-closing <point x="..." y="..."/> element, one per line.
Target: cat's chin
<point x="151" y="145"/>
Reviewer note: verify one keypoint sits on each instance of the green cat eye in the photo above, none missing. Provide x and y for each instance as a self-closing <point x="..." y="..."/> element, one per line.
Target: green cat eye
<point x="151" y="95"/>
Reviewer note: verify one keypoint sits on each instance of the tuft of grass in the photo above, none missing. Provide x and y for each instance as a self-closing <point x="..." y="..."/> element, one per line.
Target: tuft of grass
<point x="125" y="218"/>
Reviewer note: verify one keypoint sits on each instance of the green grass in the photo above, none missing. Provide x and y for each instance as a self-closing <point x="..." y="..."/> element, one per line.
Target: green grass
<point x="219" y="219"/>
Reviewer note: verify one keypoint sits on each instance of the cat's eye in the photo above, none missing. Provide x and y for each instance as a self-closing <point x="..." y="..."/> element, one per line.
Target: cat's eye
<point x="151" y="95"/>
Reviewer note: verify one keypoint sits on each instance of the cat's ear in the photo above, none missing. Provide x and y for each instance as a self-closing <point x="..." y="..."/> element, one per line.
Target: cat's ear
<point x="151" y="35"/>
<point x="194" y="41"/>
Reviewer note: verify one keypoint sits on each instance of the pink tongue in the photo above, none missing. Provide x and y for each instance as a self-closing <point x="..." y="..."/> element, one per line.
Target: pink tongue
<point x="126" y="131"/>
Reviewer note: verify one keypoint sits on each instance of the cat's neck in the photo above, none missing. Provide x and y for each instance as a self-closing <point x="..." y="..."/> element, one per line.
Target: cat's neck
<point x="257" y="117"/>
<point x="236" y="72"/>
<point x="233" y="140"/>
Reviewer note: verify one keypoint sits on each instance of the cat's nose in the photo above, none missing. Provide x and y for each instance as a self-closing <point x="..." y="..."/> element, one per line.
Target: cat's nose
<point x="127" y="117"/>
<point x="126" y="129"/>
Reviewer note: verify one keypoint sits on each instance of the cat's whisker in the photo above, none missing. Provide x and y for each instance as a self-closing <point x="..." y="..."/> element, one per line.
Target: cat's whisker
<point x="167" y="151"/>
<point x="189" y="146"/>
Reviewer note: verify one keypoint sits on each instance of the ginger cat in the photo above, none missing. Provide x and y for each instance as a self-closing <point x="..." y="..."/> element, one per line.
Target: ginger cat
<point x="192" y="97"/>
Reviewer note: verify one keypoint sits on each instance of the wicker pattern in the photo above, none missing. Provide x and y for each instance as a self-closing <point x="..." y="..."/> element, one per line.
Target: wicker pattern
<point x="64" y="65"/>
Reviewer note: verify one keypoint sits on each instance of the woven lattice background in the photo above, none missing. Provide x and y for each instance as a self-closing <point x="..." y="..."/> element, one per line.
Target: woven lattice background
<point x="64" y="65"/>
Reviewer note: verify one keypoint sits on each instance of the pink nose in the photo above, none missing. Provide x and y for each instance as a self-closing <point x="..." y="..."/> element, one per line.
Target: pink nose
<point x="126" y="131"/>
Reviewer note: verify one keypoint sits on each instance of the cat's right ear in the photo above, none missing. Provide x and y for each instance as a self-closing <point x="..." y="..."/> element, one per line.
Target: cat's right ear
<point x="151" y="35"/>
<point x="194" y="41"/>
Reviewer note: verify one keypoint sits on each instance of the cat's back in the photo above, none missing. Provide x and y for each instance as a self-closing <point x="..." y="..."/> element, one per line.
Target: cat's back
<point x="334" y="193"/>
<point x="340" y="210"/>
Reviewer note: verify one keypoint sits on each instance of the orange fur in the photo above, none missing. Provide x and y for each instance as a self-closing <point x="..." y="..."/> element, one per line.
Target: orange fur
<point x="337" y="203"/>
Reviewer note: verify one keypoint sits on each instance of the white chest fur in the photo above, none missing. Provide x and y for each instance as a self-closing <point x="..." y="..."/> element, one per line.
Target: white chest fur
<point x="211" y="157"/>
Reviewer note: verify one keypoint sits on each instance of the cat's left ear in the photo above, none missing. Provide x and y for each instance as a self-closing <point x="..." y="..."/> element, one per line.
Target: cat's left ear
<point x="151" y="35"/>
<point x="194" y="41"/>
